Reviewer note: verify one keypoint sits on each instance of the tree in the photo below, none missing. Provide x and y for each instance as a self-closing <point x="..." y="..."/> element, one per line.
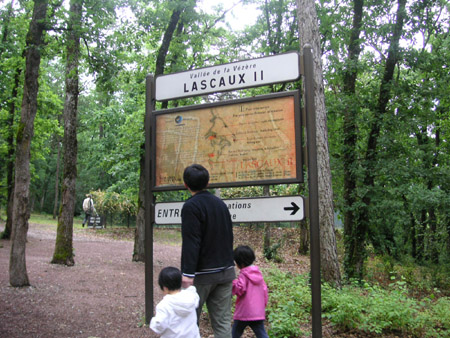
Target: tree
<point x="63" y="253"/>
<point x="139" y="244"/>
<point x="309" y="34"/>
<point x="17" y="267"/>
<point x="9" y="103"/>
<point x="349" y="133"/>
<point x="403" y="208"/>
<point x="139" y="249"/>
<point x="358" y="255"/>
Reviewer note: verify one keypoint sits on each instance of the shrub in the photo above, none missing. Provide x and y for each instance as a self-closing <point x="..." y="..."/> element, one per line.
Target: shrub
<point x="383" y="310"/>
<point x="289" y="303"/>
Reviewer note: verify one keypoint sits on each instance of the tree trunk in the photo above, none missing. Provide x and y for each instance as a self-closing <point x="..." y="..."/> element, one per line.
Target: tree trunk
<point x="167" y="39"/>
<point x="17" y="265"/>
<point x="309" y="34"/>
<point x="55" y="205"/>
<point x="303" y="247"/>
<point x="370" y="159"/>
<point x="64" y="246"/>
<point x="139" y="234"/>
<point x="350" y="138"/>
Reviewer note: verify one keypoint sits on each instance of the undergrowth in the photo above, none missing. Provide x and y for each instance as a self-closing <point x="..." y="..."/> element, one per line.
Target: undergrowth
<point x="365" y="307"/>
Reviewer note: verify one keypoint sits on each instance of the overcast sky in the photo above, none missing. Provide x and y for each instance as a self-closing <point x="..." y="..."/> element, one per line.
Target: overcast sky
<point x="239" y="17"/>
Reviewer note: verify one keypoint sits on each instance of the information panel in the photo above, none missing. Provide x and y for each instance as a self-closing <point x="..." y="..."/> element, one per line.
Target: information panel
<point x="241" y="141"/>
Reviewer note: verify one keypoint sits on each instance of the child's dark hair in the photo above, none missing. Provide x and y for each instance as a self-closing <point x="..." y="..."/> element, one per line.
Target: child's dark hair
<point x="196" y="177"/>
<point x="170" y="277"/>
<point x="244" y="256"/>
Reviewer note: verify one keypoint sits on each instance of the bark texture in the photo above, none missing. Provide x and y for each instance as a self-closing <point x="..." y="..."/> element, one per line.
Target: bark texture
<point x="64" y="237"/>
<point x="17" y="268"/>
<point x="139" y="234"/>
<point x="309" y="34"/>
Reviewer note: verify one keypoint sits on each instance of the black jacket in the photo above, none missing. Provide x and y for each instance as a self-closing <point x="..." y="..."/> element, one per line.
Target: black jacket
<point x="207" y="233"/>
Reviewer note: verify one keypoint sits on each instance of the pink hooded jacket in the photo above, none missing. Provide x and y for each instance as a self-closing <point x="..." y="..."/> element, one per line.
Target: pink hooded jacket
<point x="252" y="295"/>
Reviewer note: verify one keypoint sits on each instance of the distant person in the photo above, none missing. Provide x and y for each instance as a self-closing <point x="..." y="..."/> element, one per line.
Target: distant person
<point x="88" y="208"/>
<point x="176" y="313"/>
<point x="207" y="249"/>
<point x="252" y="295"/>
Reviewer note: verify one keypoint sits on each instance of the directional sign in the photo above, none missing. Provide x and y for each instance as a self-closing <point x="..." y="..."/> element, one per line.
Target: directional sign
<point x="243" y="210"/>
<point x="231" y="76"/>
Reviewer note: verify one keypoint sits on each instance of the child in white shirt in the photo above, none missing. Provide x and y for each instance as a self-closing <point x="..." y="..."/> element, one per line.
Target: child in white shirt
<point x="176" y="315"/>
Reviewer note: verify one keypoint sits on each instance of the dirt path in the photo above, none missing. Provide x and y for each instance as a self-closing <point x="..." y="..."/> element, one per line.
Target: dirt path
<point x="101" y="296"/>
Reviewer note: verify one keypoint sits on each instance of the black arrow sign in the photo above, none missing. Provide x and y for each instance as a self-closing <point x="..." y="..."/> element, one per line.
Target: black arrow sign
<point x="294" y="208"/>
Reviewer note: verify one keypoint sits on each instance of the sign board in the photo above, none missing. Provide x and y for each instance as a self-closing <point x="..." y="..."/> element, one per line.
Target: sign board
<point x="243" y="210"/>
<point x="95" y="222"/>
<point x="230" y="76"/>
<point x="240" y="141"/>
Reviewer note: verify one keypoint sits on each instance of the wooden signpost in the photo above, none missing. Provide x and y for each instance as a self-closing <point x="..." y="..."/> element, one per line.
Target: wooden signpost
<point x="241" y="142"/>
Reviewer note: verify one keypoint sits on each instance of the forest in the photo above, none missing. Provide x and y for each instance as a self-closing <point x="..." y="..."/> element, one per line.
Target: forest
<point x="72" y="108"/>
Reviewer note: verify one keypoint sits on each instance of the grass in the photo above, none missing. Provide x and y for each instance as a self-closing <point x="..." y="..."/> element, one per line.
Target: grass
<point x="44" y="219"/>
<point x="168" y="236"/>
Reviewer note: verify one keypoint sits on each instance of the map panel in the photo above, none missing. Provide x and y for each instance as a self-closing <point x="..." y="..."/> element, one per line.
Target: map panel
<point x="248" y="141"/>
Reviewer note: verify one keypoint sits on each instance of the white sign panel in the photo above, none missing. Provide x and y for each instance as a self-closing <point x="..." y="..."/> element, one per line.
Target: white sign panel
<point x="244" y="210"/>
<point x="230" y="76"/>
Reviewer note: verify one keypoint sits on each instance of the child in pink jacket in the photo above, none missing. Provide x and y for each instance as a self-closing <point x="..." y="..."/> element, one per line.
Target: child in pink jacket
<point x="252" y="295"/>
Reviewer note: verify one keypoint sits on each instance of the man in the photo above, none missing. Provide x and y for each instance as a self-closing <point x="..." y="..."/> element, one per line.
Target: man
<point x="88" y="207"/>
<point x="207" y="249"/>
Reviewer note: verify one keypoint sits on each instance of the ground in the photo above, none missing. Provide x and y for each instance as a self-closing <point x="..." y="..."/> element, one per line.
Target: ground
<point x="103" y="294"/>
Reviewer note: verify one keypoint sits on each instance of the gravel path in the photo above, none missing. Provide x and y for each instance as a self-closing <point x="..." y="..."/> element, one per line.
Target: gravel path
<point x="101" y="296"/>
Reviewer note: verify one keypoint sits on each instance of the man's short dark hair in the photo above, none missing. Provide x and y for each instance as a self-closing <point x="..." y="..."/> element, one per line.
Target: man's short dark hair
<point x="170" y="277"/>
<point x="244" y="256"/>
<point x="196" y="177"/>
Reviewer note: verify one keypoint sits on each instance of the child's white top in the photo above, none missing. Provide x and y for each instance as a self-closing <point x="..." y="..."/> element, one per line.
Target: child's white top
<point x="176" y="315"/>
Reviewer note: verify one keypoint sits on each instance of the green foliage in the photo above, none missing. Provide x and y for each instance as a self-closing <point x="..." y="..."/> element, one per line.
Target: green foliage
<point x="439" y="315"/>
<point x="359" y="306"/>
<point x="271" y="252"/>
<point x="374" y="309"/>
<point x="172" y="196"/>
<point x="111" y="202"/>
<point x="408" y="208"/>
<point x="289" y="303"/>
<point x="419" y="279"/>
